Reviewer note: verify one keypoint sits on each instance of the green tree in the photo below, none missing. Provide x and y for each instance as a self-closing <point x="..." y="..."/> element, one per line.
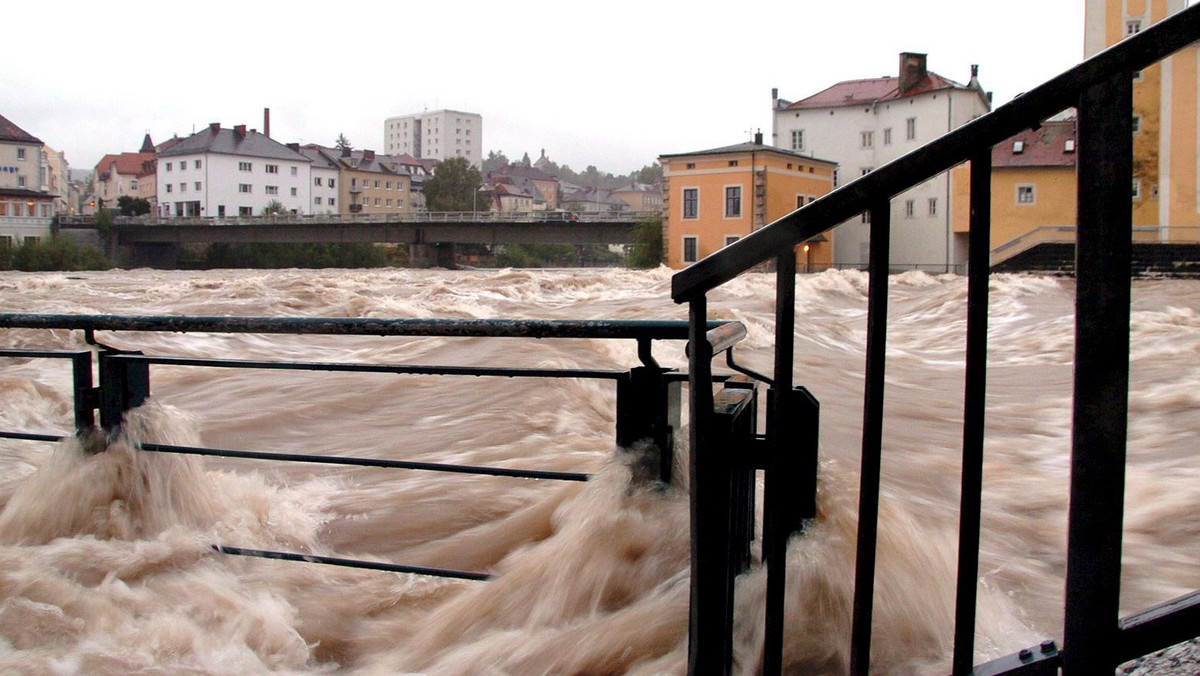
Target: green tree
<point x="454" y="187"/>
<point x="649" y="174"/>
<point x="494" y="160"/>
<point x="133" y="206"/>
<point x="648" y="244"/>
<point x="274" y="207"/>
<point x="104" y="221"/>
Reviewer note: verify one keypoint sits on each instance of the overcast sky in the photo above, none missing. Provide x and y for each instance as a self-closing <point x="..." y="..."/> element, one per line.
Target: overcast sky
<point x="613" y="83"/>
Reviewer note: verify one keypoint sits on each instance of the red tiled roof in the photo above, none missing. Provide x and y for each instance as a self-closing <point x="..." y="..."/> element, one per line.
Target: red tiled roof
<point x="859" y="92"/>
<point x="1042" y="147"/>
<point x="128" y="164"/>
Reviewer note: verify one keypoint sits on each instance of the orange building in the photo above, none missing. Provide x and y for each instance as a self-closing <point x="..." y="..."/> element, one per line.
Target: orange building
<point x="715" y="197"/>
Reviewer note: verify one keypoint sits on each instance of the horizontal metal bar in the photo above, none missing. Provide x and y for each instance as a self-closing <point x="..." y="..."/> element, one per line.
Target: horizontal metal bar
<point x="353" y="563"/>
<point x="41" y="354"/>
<point x="1029" y="109"/>
<point x="31" y="437"/>
<point x="364" y="326"/>
<point x="409" y="369"/>
<point x="1041" y="660"/>
<point x="369" y="462"/>
<point x="724" y="337"/>
<point x="1159" y="627"/>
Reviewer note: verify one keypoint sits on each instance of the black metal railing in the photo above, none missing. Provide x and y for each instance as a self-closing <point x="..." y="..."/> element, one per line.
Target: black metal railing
<point x="1094" y="640"/>
<point x="647" y="395"/>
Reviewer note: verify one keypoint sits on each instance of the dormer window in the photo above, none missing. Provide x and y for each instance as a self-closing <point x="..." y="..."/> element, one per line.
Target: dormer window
<point x="1018" y="147"/>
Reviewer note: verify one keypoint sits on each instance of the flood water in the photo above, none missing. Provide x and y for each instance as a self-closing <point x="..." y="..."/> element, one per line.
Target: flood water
<point x="106" y="564"/>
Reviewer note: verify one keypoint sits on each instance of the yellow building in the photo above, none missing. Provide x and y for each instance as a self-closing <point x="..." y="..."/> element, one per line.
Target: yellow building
<point x="1166" y="128"/>
<point x="372" y="185"/>
<point x="715" y="197"/>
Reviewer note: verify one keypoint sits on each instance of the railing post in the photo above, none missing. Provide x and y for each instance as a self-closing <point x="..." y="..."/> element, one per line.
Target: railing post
<point x="85" y="393"/>
<point x="974" y="399"/>
<point x="648" y="408"/>
<point x="124" y="385"/>
<point x="872" y="440"/>
<point x="1101" y="404"/>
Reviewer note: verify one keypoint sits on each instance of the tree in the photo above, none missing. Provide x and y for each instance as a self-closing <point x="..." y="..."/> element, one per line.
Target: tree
<point x="133" y="206"/>
<point x="343" y="143"/>
<point x="649" y="174"/>
<point x="454" y="187"/>
<point x="495" y="160"/>
<point x="648" y="244"/>
<point x="274" y="207"/>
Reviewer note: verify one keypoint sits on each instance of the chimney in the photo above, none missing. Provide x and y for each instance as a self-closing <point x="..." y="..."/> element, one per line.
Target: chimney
<point x="368" y="154"/>
<point x="239" y="131"/>
<point x="267" y="122"/>
<point x="295" y="147"/>
<point x="758" y="138"/>
<point x="912" y="71"/>
<point x="346" y="151"/>
<point x="214" y="127"/>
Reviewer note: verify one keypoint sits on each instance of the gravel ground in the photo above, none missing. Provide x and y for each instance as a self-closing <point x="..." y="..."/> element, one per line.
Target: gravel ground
<point x="1178" y="660"/>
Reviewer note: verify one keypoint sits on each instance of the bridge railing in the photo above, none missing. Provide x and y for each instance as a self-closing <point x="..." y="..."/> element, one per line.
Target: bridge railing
<point x="1095" y="641"/>
<point x="647" y="395"/>
<point x="353" y="219"/>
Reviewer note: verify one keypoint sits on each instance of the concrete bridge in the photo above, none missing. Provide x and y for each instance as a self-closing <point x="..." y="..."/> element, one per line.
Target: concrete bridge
<point x="431" y="236"/>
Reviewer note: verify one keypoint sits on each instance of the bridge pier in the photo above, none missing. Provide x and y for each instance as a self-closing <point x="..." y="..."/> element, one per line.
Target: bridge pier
<point x="429" y="255"/>
<point x="159" y="255"/>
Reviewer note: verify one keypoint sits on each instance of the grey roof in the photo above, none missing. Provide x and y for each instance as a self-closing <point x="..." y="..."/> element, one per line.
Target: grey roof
<point x="322" y="158"/>
<point x="226" y="142"/>
<point x="747" y="148"/>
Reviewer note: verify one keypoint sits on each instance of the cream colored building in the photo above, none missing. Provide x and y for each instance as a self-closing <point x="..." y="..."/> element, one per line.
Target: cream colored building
<point x="437" y="135"/>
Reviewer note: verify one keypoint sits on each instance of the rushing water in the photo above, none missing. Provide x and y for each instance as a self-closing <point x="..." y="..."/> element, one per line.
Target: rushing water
<point x="106" y="564"/>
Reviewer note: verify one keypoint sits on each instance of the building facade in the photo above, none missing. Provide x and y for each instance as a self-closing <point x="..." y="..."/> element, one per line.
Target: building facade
<point x="436" y="135"/>
<point x="864" y="124"/>
<point x="373" y="184"/>
<point x="125" y="175"/>
<point x="1166" y="181"/>
<point x="325" y="172"/>
<point x="221" y="173"/>
<point x="26" y="209"/>
<point x="715" y="197"/>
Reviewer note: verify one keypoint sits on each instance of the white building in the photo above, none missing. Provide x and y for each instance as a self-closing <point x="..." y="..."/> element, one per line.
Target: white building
<point x="218" y="173"/>
<point x="324" y="190"/>
<point x="437" y="135"/>
<point x="864" y="124"/>
<point x="26" y="209"/>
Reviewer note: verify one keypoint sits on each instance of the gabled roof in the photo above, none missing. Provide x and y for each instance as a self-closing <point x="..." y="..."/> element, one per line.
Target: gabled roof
<point x="749" y="147"/>
<point x="874" y="90"/>
<point x="1045" y="146"/>
<point x="13" y="134"/>
<point x="322" y="157"/>
<point x="230" y="142"/>
<point x="127" y="164"/>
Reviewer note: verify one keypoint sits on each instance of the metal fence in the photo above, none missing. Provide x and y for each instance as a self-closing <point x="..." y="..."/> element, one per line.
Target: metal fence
<point x="1095" y="640"/>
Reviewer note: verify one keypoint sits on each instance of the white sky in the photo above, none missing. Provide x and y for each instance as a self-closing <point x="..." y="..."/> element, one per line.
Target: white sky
<point x="612" y="83"/>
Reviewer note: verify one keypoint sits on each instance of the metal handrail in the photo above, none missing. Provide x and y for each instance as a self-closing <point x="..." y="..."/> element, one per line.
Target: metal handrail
<point x="1027" y="110"/>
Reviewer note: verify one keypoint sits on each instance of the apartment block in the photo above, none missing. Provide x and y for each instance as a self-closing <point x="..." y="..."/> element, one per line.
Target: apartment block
<point x="436" y="135"/>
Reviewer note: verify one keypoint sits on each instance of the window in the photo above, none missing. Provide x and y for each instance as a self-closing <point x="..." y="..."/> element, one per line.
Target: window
<point x="1132" y="27"/>
<point x="169" y="186"/>
<point x="133" y="184"/>
<point x="797" y="139"/>
<point x="245" y="211"/>
<point x="331" y="183"/>
<point x="933" y="206"/>
<point x="691" y="165"/>
<point x="1137" y="123"/>
<point x="835" y="178"/>
<point x="691" y="202"/>
<point x="1018" y="147"/>
<point x="887" y="136"/>
<point x="271" y="189"/>
<point x="733" y="201"/>
<point x="388" y="185"/>
<point x="183" y="187"/>
<point x="868" y="139"/>
<point x="389" y="202"/>
<point x="331" y="200"/>
<point x="245" y="166"/>
<point x="220" y="211"/>
<point x="183" y="165"/>
<point x="376" y="184"/>
<point x="168" y="166"/>
<point x="690" y="246"/>
<point x="1069" y="145"/>
<point x="196" y="165"/>
<point x="1137" y="189"/>
<point x="376" y="201"/>
<point x="317" y="201"/>
<point x="294" y="192"/>
<point x="909" y="208"/>
<point x="272" y="168"/>
<point x="1025" y="194"/>
<point x="317" y="181"/>
<point x="295" y="171"/>
<point x="196" y="185"/>
<point x="244" y="187"/>
<point x="733" y="163"/>
<point x="910" y="128"/>
<point x="865" y="170"/>
<point x="799" y="201"/>
<point x="730" y="239"/>
<point x="20" y="154"/>
<point x="866" y="217"/>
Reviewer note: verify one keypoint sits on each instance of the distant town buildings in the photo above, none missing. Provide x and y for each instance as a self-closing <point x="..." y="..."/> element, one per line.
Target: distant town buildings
<point x="436" y="135"/>
<point x="126" y="175"/>
<point x="863" y="124"/>
<point x="715" y="197"/>
<point x="1033" y="182"/>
